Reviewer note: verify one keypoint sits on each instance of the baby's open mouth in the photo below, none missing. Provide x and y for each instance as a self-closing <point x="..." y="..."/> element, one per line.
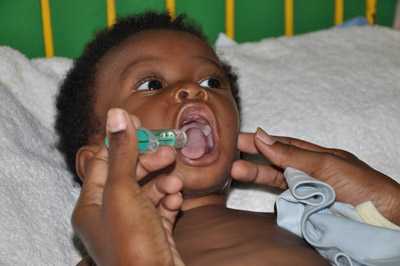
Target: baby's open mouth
<point x="199" y="125"/>
<point x="199" y="138"/>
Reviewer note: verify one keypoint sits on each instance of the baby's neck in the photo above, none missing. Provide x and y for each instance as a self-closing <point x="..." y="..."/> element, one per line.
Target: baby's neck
<point x="196" y="202"/>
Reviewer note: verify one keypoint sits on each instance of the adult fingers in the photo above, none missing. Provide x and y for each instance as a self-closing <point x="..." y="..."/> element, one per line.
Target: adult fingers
<point x="297" y="142"/>
<point x="123" y="152"/>
<point x="154" y="161"/>
<point x="285" y="155"/>
<point x="171" y="203"/>
<point x="161" y="186"/>
<point x="247" y="144"/>
<point x="169" y="208"/>
<point x="91" y="196"/>
<point x="313" y="147"/>
<point x="246" y="171"/>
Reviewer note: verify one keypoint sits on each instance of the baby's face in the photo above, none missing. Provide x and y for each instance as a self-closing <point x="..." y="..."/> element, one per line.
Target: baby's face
<point x="173" y="79"/>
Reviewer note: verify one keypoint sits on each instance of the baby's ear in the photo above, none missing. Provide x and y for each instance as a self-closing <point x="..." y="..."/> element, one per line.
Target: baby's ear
<point x="83" y="156"/>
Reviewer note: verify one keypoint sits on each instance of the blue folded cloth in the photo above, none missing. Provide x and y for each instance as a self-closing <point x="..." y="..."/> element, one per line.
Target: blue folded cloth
<point x="309" y="210"/>
<point x="357" y="21"/>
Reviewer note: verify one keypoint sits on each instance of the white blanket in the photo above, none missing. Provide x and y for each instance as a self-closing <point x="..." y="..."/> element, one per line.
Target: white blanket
<point x="336" y="88"/>
<point x="36" y="191"/>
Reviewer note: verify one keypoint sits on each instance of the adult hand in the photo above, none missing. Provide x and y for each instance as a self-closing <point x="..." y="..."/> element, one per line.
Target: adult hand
<point x="353" y="180"/>
<point x="119" y="222"/>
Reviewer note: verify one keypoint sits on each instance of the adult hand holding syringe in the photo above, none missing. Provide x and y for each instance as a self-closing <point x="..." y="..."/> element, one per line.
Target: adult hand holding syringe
<point x="113" y="208"/>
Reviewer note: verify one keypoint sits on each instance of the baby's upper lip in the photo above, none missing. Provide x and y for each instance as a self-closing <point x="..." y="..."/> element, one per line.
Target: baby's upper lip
<point x="191" y="111"/>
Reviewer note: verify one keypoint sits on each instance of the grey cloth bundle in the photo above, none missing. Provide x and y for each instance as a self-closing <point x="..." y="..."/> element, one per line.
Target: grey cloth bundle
<point x="309" y="210"/>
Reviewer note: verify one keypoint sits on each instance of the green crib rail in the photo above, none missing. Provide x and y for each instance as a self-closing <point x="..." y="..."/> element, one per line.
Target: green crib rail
<point x="73" y="22"/>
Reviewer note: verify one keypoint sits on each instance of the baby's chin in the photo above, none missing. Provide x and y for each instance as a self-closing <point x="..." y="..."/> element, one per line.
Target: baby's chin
<point x="190" y="191"/>
<point x="204" y="180"/>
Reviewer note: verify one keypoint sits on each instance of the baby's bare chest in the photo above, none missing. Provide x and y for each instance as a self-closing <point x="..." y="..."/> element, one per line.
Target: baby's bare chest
<point x="254" y="255"/>
<point x="243" y="240"/>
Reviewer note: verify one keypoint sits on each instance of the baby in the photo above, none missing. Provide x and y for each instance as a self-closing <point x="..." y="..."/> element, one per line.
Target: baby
<point x="165" y="74"/>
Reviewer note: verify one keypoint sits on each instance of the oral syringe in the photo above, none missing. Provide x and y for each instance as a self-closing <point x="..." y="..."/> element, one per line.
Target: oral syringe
<point x="150" y="140"/>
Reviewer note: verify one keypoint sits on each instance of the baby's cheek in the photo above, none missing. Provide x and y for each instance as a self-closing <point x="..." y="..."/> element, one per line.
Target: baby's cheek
<point x="230" y="128"/>
<point x="232" y="112"/>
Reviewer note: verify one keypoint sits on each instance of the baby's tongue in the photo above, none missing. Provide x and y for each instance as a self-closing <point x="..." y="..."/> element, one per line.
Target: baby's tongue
<point x="196" y="145"/>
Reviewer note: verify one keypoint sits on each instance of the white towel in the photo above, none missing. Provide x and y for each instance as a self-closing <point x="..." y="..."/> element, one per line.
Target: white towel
<point x="36" y="191"/>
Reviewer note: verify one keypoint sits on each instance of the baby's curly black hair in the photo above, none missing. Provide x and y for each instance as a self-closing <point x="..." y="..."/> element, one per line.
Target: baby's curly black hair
<point x="76" y="120"/>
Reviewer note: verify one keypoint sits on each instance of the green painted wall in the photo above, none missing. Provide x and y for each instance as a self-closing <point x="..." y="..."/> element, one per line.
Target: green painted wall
<point x="20" y="26"/>
<point x="75" y="21"/>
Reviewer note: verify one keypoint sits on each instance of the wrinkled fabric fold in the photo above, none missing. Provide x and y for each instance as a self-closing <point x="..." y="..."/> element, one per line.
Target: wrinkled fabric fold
<point x="309" y="210"/>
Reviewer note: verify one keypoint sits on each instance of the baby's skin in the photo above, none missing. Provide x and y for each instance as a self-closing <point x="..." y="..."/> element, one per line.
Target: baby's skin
<point x="169" y="79"/>
<point x="215" y="235"/>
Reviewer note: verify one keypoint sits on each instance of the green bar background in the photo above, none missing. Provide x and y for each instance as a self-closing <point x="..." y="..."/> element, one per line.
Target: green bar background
<point x="75" y="22"/>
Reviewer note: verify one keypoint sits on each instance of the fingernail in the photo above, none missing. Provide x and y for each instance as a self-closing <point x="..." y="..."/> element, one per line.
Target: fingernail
<point x="264" y="137"/>
<point x="116" y="121"/>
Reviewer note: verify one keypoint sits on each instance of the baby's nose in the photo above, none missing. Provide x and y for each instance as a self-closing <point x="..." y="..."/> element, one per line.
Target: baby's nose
<point x="190" y="91"/>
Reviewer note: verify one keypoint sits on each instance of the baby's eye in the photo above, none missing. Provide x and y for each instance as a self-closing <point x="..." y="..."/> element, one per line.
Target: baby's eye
<point x="210" y="83"/>
<point x="150" y="85"/>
